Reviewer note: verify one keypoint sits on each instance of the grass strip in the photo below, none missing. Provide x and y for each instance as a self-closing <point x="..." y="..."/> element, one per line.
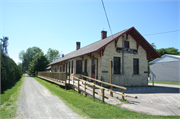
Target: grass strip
<point x="92" y="108"/>
<point x="9" y="100"/>
<point x="172" y="83"/>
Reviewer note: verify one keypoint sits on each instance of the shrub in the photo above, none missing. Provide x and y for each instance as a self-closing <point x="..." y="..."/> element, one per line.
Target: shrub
<point x="10" y="72"/>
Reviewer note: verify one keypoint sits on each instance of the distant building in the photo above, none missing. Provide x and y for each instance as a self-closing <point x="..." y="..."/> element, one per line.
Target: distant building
<point x="166" y="68"/>
<point x="128" y="50"/>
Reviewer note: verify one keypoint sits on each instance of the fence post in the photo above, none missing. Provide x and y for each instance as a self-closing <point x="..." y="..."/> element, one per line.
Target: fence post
<point x="123" y="94"/>
<point x="102" y="91"/>
<point x="78" y="86"/>
<point x="101" y="82"/>
<point x="94" y="91"/>
<point x="73" y="82"/>
<point x="85" y="88"/>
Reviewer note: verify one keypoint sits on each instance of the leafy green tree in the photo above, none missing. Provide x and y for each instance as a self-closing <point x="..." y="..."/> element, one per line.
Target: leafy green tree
<point x="170" y="50"/>
<point x="27" y="56"/>
<point x="38" y="63"/>
<point x="20" y="66"/>
<point x="52" y="54"/>
<point x="153" y="45"/>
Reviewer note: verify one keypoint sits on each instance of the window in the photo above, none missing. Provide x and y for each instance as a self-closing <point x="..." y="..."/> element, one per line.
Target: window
<point x="126" y="44"/>
<point x="136" y="66"/>
<point x="60" y="70"/>
<point x="85" y="66"/>
<point x="69" y="66"/>
<point x="78" y="66"/>
<point x="117" y="65"/>
<point x="63" y="67"/>
<point x="72" y="67"/>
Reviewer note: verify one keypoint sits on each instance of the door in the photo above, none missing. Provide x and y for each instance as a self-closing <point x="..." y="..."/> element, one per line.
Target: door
<point x="93" y="69"/>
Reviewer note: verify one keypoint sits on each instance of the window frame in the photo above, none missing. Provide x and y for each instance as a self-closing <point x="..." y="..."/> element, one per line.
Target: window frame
<point x="77" y="67"/>
<point x="118" y="66"/>
<point x="137" y="66"/>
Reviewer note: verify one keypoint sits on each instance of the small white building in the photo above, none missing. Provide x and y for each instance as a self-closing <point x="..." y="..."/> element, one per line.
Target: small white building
<point x="166" y="68"/>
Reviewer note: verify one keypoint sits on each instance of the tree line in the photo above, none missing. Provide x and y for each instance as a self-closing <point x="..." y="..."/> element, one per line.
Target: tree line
<point x="34" y="60"/>
<point x="163" y="51"/>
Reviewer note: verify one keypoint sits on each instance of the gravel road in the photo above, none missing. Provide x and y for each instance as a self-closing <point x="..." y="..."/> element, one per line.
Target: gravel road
<point x="37" y="102"/>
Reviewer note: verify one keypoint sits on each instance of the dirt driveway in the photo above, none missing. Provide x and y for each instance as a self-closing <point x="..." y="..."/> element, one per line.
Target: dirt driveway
<point x="37" y="102"/>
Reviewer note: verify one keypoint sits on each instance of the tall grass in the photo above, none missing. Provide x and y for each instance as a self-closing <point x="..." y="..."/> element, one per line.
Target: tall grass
<point x="90" y="107"/>
<point x="9" y="100"/>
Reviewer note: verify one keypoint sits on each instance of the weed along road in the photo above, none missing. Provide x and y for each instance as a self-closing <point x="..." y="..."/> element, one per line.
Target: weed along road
<point x="37" y="102"/>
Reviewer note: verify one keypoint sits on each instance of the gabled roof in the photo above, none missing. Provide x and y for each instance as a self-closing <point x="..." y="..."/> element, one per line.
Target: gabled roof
<point x="166" y="58"/>
<point x="97" y="46"/>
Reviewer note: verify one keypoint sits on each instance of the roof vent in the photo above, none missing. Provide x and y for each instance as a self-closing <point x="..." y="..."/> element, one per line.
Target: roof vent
<point x="103" y="34"/>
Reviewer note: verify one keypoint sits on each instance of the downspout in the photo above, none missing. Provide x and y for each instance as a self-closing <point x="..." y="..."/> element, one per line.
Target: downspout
<point x="123" y="72"/>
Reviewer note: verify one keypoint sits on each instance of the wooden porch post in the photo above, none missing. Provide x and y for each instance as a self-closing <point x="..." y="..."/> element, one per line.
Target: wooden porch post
<point x="111" y="93"/>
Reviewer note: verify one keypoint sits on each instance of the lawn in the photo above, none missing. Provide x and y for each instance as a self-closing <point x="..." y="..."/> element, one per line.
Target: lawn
<point x="172" y="83"/>
<point x="9" y="100"/>
<point x="92" y="108"/>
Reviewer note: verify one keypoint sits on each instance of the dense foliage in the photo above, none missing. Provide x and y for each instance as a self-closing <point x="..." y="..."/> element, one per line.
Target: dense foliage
<point x="27" y="56"/>
<point x="10" y="72"/>
<point x="171" y="50"/>
<point x="163" y="51"/>
<point x="39" y="63"/>
<point x="52" y="54"/>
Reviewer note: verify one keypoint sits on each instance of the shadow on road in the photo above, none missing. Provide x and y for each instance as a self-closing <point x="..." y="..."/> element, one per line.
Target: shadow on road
<point x="154" y="89"/>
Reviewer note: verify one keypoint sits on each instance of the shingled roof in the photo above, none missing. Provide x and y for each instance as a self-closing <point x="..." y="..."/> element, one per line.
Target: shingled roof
<point x="97" y="46"/>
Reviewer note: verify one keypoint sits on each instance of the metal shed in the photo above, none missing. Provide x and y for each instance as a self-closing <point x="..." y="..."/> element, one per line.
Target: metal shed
<point x="165" y="69"/>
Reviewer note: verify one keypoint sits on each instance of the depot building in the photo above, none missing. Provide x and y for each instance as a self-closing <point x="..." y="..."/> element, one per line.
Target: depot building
<point x="128" y="50"/>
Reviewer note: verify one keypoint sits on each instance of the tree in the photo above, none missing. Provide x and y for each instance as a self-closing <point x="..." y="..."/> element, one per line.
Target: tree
<point x="27" y="56"/>
<point x="38" y="63"/>
<point x="153" y="45"/>
<point x="20" y="66"/>
<point x="170" y="50"/>
<point x="52" y="54"/>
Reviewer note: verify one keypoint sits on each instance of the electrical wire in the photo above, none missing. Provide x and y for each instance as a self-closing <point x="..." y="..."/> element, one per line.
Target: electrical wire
<point x="161" y="33"/>
<point x="106" y="17"/>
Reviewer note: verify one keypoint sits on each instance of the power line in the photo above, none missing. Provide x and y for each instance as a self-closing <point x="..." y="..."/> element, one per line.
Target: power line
<point x="161" y="33"/>
<point x="106" y="16"/>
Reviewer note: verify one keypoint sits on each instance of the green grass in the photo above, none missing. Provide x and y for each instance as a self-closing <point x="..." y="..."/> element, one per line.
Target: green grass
<point x="9" y="100"/>
<point x="172" y="83"/>
<point x="92" y="108"/>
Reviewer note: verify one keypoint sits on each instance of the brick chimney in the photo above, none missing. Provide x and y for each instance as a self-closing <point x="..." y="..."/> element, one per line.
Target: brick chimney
<point x="78" y="45"/>
<point x="103" y="34"/>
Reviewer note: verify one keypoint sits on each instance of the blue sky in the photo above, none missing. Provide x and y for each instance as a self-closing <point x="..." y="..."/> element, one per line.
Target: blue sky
<point x="59" y="24"/>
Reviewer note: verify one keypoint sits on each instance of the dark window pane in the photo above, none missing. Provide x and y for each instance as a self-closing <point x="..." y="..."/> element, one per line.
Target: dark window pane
<point x="78" y="66"/>
<point x="126" y="44"/>
<point x="116" y="65"/>
<point x="136" y="66"/>
<point x="85" y="66"/>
